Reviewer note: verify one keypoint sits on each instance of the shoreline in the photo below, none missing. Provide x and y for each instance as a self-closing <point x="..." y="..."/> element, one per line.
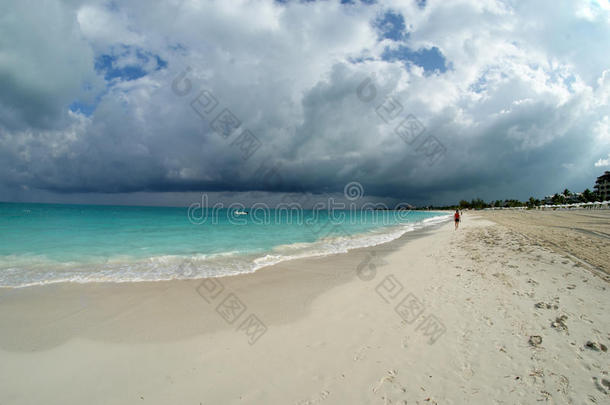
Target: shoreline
<point x="319" y="248"/>
<point x="439" y="316"/>
<point x="83" y="294"/>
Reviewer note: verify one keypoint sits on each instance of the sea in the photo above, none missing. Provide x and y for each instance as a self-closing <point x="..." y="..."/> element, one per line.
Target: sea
<point x="51" y="243"/>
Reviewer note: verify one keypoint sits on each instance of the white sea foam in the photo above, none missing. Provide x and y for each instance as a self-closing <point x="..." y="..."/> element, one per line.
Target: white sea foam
<point x="23" y="272"/>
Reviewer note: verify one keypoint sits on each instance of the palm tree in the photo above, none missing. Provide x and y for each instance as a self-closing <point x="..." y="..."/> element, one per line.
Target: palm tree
<point x="588" y="195"/>
<point x="558" y="199"/>
<point x="531" y="202"/>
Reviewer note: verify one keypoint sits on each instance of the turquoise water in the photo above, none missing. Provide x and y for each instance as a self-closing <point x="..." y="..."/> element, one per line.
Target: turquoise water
<point x="44" y="243"/>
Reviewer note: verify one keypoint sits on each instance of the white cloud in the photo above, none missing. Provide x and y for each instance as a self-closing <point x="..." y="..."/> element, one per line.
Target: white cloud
<point x="602" y="129"/>
<point x="603" y="162"/>
<point x="528" y="91"/>
<point x="44" y="64"/>
<point x="103" y="26"/>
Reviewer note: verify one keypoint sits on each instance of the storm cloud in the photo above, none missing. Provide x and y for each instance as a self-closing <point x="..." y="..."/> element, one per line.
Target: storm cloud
<point x="425" y="102"/>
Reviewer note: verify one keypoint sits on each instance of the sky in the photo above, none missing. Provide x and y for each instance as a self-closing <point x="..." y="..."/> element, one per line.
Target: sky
<point x="422" y="101"/>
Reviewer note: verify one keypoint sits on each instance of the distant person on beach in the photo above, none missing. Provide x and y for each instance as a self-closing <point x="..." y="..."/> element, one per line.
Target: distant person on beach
<point x="457" y="218"/>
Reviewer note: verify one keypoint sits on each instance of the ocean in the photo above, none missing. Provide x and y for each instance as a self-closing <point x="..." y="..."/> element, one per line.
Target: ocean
<point x="49" y="243"/>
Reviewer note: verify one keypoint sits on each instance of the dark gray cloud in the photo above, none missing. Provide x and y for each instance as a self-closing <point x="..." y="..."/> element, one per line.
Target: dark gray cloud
<point x="88" y="112"/>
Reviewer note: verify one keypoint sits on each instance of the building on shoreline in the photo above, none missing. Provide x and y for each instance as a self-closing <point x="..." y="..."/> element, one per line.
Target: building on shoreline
<point x="602" y="186"/>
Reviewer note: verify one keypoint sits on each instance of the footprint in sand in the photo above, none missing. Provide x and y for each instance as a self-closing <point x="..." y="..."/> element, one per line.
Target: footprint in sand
<point x="562" y="382"/>
<point x="546" y="396"/>
<point x="583" y="317"/>
<point x="602" y="384"/>
<point x="537" y="375"/>
<point x="466" y="371"/>
<point x="535" y="341"/>
<point x="544" y="305"/>
<point x="595" y="346"/>
<point x="316" y="399"/>
<point x="388" y="378"/>
<point x="360" y="353"/>
<point x="560" y="323"/>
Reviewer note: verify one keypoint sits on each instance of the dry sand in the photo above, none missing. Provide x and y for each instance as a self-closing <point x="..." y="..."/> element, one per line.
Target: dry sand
<point x="584" y="234"/>
<point x="448" y="317"/>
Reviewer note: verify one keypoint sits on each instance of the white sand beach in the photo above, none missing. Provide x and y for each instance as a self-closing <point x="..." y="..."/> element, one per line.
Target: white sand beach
<point x="488" y="314"/>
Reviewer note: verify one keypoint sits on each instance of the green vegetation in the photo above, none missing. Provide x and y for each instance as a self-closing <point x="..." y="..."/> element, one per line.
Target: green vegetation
<point x="566" y="197"/>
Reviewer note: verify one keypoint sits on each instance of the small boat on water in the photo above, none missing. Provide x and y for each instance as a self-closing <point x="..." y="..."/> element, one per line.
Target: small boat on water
<point x="240" y="212"/>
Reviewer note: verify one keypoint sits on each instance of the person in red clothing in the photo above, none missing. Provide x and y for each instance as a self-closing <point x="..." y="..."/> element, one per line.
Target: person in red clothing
<point x="456" y="218"/>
